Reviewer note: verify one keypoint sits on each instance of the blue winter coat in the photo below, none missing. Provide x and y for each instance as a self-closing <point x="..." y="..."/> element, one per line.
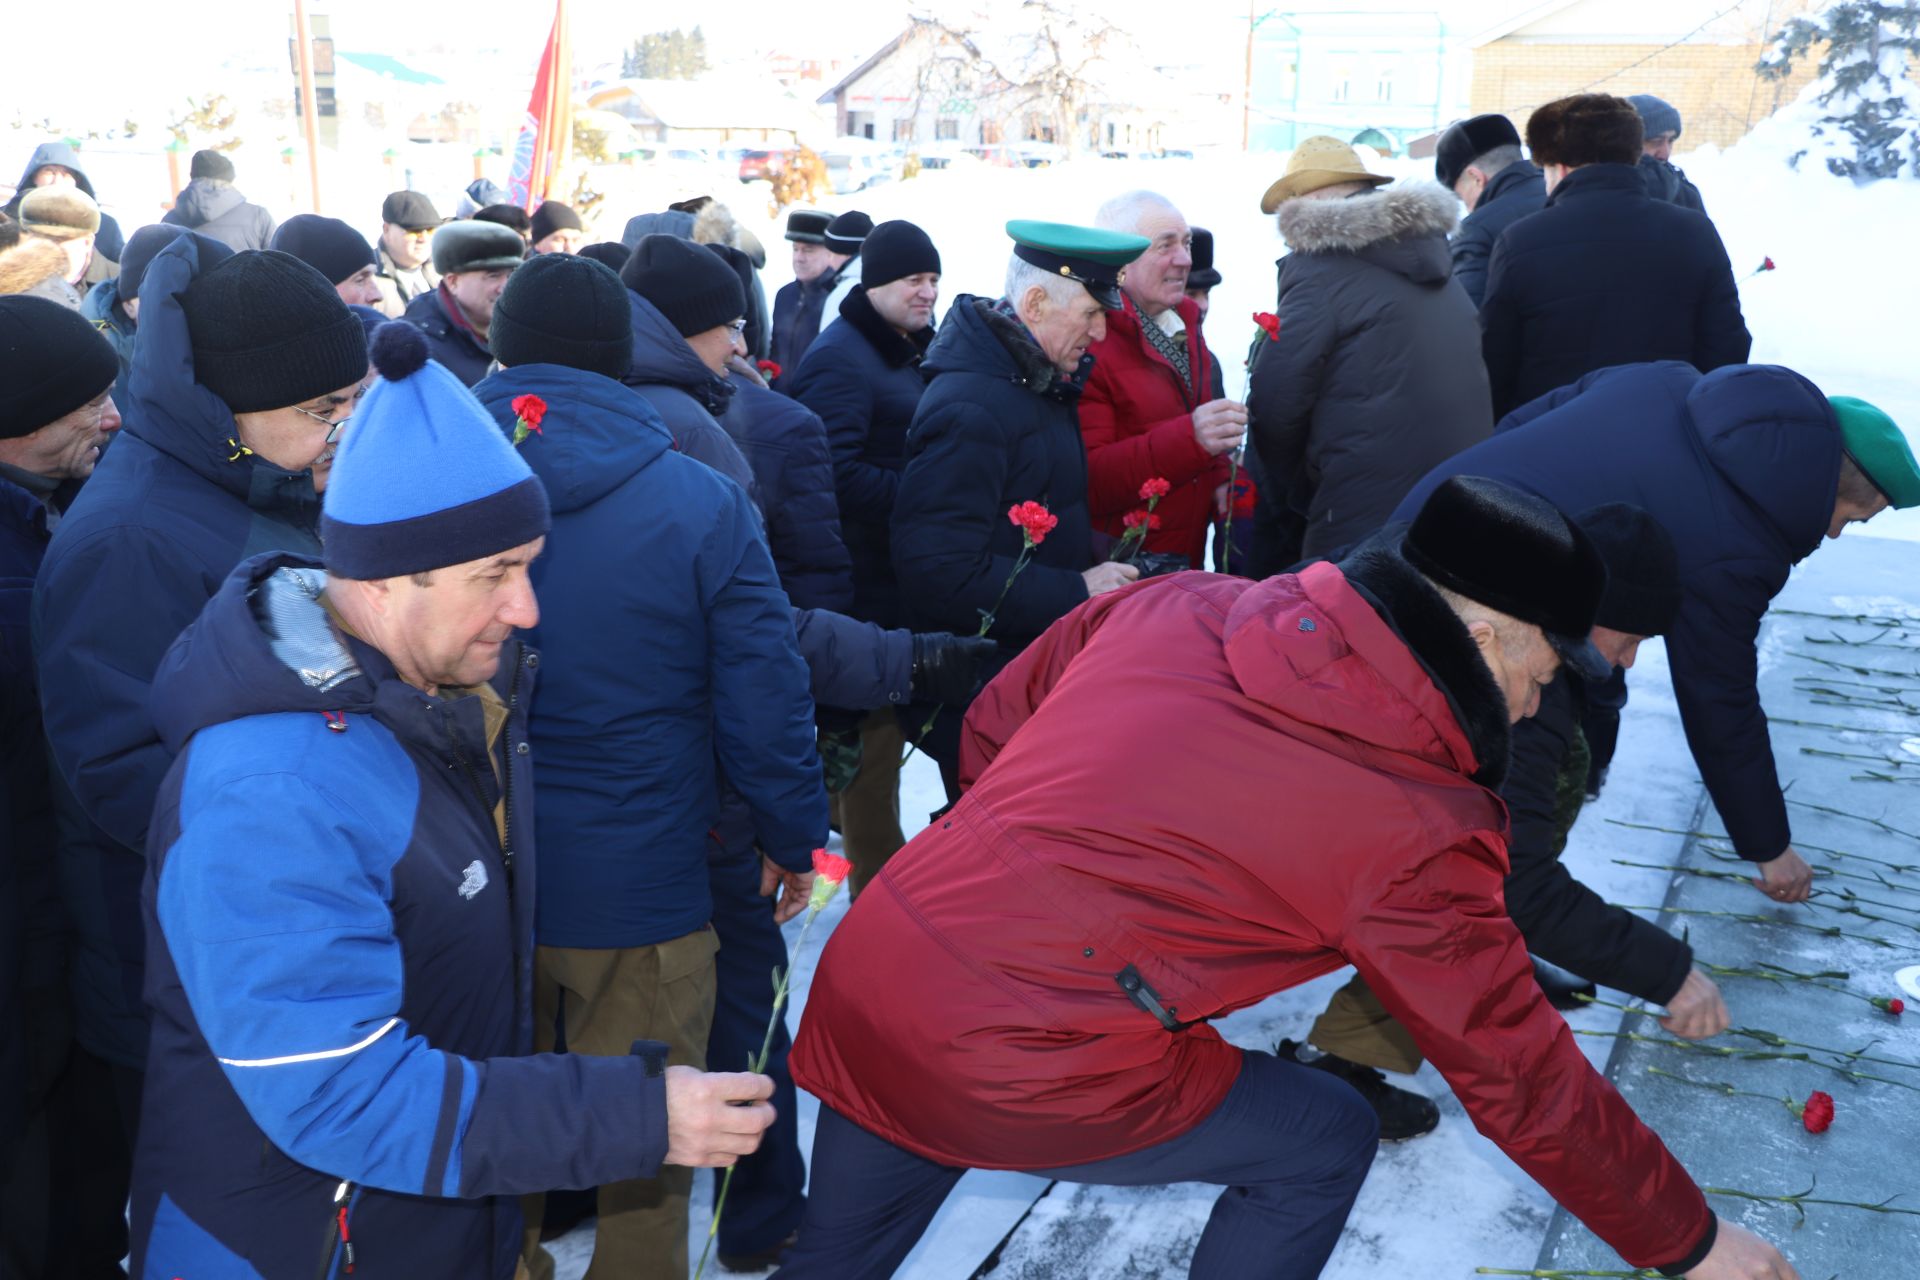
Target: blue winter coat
<point x="1602" y="276"/>
<point x="785" y="446"/>
<point x="347" y="1024"/>
<point x="173" y="506"/>
<point x="455" y="346"/>
<point x="864" y="381"/>
<point x="108" y="241"/>
<point x="102" y="307"/>
<point x="1516" y="191"/>
<point x="669" y="647"/>
<point x="1741" y="466"/>
<point x="798" y="315"/>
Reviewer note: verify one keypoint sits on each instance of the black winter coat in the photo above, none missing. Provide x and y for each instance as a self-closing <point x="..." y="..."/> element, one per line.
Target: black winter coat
<point x="217" y="209"/>
<point x="453" y="345"/>
<point x="1373" y="380"/>
<point x="1563" y="920"/>
<point x="786" y="447"/>
<point x="798" y="314"/>
<point x="864" y="381"/>
<point x="1666" y="181"/>
<point x="1602" y="276"/>
<point x="1516" y="191"/>
<point x="1741" y="466"/>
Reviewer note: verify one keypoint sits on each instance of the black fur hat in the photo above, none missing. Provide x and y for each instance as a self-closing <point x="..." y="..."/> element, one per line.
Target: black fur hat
<point x="1588" y="128"/>
<point x="1468" y="140"/>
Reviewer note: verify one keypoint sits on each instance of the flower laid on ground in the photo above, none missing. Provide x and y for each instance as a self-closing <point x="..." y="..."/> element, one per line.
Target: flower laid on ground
<point x="1895" y="1006"/>
<point x="1269" y="324"/>
<point x="1139" y="524"/>
<point x="769" y="369"/>
<point x="830" y="871"/>
<point x="1035" y="522"/>
<point x="1816" y="1112"/>
<point x="528" y="411"/>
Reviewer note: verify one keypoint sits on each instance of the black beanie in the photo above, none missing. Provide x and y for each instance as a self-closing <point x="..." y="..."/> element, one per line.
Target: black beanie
<point x="564" y="309"/>
<point x="896" y="249"/>
<point x="143" y="244"/>
<point x="846" y="233"/>
<point x="611" y="253"/>
<point x="1643" y="569"/>
<point x="268" y="331"/>
<point x="685" y="282"/>
<point x="553" y="216"/>
<point x="52" y="361"/>
<point x="210" y="164"/>
<point x="328" y="245"/>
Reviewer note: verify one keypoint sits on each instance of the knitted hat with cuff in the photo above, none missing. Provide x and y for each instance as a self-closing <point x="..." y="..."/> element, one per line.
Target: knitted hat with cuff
<point x="268" y="331"/>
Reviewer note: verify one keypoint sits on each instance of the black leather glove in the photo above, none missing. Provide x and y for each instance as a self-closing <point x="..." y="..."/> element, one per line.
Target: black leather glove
<point x="949" y="669"/>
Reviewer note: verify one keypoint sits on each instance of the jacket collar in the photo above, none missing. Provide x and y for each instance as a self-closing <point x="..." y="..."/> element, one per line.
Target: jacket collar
<point x="1590" y="178"/>
<point x="897" y="350"/>
<point x="1517" y="174"/>
<point x="1032" y="369"/>
<point x="1128" y="325"/>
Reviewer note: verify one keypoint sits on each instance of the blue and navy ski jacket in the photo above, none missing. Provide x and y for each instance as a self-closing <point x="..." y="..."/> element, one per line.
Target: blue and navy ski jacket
<point x="340" y="967"/>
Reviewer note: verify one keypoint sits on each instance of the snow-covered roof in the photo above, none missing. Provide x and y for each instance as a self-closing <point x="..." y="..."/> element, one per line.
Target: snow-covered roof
<point x="707" y="104"/>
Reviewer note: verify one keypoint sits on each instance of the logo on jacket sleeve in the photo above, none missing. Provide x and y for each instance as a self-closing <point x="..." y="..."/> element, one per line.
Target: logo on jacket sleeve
<point x="473" y="880"/>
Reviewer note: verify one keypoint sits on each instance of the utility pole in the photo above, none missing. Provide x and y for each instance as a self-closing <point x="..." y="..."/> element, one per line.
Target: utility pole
<point x="1246" y="88"/>
<point x="309" y="100"/>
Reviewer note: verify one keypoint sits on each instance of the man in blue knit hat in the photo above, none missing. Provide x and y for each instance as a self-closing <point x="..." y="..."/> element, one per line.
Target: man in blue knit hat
<point x="342" y="1030"/>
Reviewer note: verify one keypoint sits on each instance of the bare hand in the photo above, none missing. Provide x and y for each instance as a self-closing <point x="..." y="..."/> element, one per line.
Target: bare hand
<point x="1738" y="1254"/>
<point x="714" y="1118"/>
<point x="1108" y="575"/>
<point x="1219" y="426"/>
<point x="1696" y="1010"/>
<point x="1787" y="878"/>
<point x="795" y="888"/>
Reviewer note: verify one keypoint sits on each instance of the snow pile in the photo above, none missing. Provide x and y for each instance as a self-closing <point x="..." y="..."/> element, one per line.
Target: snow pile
<point x="1861" y="118"/>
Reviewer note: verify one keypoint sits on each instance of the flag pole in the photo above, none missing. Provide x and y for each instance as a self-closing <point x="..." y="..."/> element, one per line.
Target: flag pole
<point x="310" y="104"/>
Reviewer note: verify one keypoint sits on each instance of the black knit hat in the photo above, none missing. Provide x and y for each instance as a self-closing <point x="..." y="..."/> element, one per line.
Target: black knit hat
<point x="1202" y="274"/>
<point x="610" y="253"/>
<point x="210" y="164"/>
<point x="328" y="245"/>
<point x="808" y="226"/>
<point x="52" y="361"/>
<point x="553" y="216"/>
<point x="1588" y="128"/>
<point x="1643" y="569"/>
<point x="506" y="215"/>
<point x="1517" y="554"/>
<point x="896" y="249"/>
<point x="143" y="244"/>
<point x="1468" y="140"/>
<point x="564" y="309"/>
<point x="269" y="331"/>
<point x="846" y="233"/>
<point x="685" y="282"/>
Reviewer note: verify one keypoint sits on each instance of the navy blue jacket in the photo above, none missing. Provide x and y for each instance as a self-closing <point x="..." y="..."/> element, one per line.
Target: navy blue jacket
<point x="669" y="646"/>
<point x="108" y="241"/>
<point x="102" y="306"/>
<point x="347" y="1024"/>
<point x="785" y="446"/>
<point x="1604" y="275"/>
<point x="173" y="506"/>
<point x="688" y="396"/>
<point x="864" y="381"/>
<point x="453" y="345"/>
<point x="1516" y="191"/>
<point x="798" y="314"/>
<point x="1741" y="466"/>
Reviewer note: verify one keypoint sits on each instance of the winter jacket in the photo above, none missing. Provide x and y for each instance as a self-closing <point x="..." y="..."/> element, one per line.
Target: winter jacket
<point x="785" y="446"/>
<point x="1604" y="276"/>
<point x="108" y="241"/>
<point x="1373" y="380"/>
<point x="342" y="1075"/>
<point x="864" y="380"/>
<point x="398" y="286"/>
<point x="1516" y="191"/>
<point x="1741" y="467"/>
<point x="1667" y="181"/>
<point x="102" y="307"/>
<point x="450" y="339"/>
<point x="173" y="506"/>
<point x="689" y="397"/>
<point x="798" y="311"/>
<point x="1136" y="418"/>
<point x="1053" y="950"/>
<point x="217" y="209"/>
<point x="668" y="644"/>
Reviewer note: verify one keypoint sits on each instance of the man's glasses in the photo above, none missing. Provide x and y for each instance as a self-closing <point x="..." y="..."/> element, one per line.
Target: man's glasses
<point x="333" y="425"/>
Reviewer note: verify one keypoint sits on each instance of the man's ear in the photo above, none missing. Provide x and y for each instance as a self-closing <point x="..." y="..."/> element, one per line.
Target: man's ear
<point x="1031" y="304"/>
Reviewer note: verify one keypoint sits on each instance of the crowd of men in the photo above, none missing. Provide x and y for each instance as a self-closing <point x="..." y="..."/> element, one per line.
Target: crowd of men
<point x="430" y="663"/>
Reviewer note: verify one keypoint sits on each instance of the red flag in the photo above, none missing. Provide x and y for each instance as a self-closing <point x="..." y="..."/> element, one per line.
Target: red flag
<point x="546" y="134"/>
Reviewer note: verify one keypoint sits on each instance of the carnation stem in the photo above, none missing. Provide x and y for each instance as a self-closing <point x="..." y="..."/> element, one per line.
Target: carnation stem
<point x="1743" y="1055"/>
<point x="986" y="625"/>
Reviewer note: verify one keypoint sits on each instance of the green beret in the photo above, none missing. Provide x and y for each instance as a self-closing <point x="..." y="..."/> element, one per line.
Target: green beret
<point x="1088" y="254"/>
<point x="1879" y="449"/>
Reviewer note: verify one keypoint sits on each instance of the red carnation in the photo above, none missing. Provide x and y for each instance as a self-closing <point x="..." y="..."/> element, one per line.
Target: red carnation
<point x="830" y="866"/>
<point x="1895" y="1006"/>
<point x="1766" y="264"/>
<point x="528" y="411"/>
<point x="1034" y="521"/>
<point x="1269" y="324"/>
<point x="1155" y="488"/>
<point x="769" y="369"/>
<point x="1816" y="1112"/>
<point x="1134" y="519"/>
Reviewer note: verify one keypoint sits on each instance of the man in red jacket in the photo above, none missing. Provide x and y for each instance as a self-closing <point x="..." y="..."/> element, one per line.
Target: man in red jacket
<point x="1028" y="984"/>
<point x="1149" y="410"/>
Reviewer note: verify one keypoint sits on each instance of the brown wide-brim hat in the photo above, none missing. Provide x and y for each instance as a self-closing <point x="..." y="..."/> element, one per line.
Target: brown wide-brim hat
<point x="1318" y="162"/>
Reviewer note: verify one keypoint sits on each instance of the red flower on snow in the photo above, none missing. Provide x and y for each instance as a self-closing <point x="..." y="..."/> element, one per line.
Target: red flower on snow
<point x="1033" y="520"/>
<point x="1155" y="488"/>
<point x="1269" y="324"/>
<point x="1134" y="519"/>
<point x="1816" y="1112"/>
<point x="1895" y="1006"/>
<point x="1766" y="264"/>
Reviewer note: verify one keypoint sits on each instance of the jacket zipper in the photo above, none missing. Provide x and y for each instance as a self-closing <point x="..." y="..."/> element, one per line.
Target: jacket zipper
<point x="506" y="771"/>
<point x="339" y="1238"/>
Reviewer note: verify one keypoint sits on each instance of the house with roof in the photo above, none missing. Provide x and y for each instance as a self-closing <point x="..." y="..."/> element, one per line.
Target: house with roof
<point x="706" y="113"/>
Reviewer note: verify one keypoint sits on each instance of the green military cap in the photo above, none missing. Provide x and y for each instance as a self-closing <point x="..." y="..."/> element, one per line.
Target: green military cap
<point x="1879" y="449"/>
<point x="1087" y="254"/>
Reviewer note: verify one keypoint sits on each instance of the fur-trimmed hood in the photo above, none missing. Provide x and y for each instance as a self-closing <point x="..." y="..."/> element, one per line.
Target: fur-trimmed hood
<point x="38" y="267"/>
<point x="715" y="224"/>
<point x="1416" y="216"/>
<point x="980" y="337"/>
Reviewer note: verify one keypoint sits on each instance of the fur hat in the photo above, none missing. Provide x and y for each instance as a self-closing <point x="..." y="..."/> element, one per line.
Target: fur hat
<point x="59" y="213"/>
<point x="1588" y="128"/>
<point x="475" y="244"/>
<point x="38" y="267"/>
<point x="1467" y="141"/>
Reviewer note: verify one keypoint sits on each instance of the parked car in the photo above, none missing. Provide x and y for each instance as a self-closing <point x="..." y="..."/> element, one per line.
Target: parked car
<point x="854" y="164"/>
<point x="764" y="166"/>
<point x="945" y="155"/>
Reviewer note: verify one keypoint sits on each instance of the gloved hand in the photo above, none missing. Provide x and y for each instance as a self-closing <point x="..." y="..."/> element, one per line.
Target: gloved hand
<point x="947" y="669"/>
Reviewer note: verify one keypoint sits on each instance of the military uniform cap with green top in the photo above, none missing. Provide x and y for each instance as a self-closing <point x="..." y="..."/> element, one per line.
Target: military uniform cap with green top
<point x="1879" y="448"/>
<point x="1094" y="257"/>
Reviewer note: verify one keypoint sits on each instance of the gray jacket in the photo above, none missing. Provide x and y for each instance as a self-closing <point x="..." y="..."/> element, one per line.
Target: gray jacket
<point x="215" y="208"/>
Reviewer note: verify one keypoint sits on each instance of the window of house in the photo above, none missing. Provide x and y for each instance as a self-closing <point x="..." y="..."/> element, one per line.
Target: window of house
<point x="1383" y="87"/>
<point x="1342" y="84"/>
<point x="903" y="130"/>
<point x="946" y="130"/>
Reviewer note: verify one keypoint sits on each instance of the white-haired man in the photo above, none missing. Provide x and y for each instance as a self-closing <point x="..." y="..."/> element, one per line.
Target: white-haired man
<point x="995" y="429"/>
<point x="1149" y="411"/>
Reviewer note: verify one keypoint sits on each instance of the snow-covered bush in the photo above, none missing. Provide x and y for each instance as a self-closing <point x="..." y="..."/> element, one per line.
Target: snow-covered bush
<point x="1861" y="118"/>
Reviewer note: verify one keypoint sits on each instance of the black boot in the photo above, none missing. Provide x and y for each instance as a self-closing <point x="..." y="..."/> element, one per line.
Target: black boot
<point x="1563" y="990"/>
<point x="765" y="1260"/>
<point x="1403" y="1113"/>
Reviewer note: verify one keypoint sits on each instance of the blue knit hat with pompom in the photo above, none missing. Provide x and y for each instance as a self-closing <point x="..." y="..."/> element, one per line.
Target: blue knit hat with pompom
<point x="423" y="478"/>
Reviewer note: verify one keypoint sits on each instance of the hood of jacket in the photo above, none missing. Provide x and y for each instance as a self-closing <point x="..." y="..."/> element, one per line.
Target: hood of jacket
<point x="102" y="306"/>
<point x="1369" y="651"/>
<point x="47" y="153"/>
<point x="671" y="222"/>
<point x="597" y="433"/>
<point x="1403" y="228"/>
<point x="1516" y="176"/>
<point x="172" y="412"/>
<point x="30" y="264"/>
<point x="1767" y="431"/>
<point x="205" y="199"/>
<point x="977" y="337"/>
<point x="715" y="224"/>
<point x="661" y="355"/>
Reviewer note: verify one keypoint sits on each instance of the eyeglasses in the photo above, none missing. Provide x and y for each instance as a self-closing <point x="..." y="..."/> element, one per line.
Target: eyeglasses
<point x="738" y="328"/>
<point x="333" y="424"/>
